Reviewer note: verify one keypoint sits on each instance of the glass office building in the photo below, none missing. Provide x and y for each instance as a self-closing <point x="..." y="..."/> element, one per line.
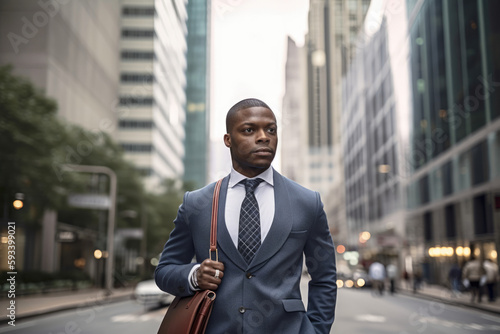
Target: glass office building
<point x="197" y="93"/>
<point x="422" y="135"/>
<point x="454" y="148"/>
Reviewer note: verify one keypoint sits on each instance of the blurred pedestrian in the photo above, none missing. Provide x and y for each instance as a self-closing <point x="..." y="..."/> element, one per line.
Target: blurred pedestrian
<point x="376" y="272"/>
<point x="267" y="225"/>
<point x="455" y="275"/>
<point x="472" y="272"/>
<point x="491" y="269"/>
<point x="406" y="278"/>
<point x="392" y="273"/>
<point x="417" y="279"/>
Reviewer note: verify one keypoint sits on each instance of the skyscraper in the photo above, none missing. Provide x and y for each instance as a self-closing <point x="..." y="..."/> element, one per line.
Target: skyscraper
<point x="375" y="85"/>
<point x="294" y="114"/>
<point x="454" y="142"/>
<point x="197" y="93"/>
<point x="330" y="44"/>
<point x="152" y="82"/>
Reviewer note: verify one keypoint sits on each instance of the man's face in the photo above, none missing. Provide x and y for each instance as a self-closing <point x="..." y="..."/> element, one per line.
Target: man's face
<point x="252" y="140"/>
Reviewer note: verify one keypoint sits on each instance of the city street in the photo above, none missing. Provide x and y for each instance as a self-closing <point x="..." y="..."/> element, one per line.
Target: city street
<point x="125" y="317"/>
<point x="358" y="311"/>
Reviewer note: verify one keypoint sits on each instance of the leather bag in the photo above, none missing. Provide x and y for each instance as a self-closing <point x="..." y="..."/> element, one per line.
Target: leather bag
<point x="190" y="315"/>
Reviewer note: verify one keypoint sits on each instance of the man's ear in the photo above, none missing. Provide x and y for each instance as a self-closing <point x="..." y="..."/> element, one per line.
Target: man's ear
<point x="227" y="140"/>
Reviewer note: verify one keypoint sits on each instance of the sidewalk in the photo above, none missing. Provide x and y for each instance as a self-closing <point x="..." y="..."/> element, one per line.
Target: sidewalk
<point x="444" y="295"/>
<point x="33" y="305"/>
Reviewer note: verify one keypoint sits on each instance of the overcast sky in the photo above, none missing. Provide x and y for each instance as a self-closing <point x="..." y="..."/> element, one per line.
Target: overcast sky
<point x="249" y="51"/>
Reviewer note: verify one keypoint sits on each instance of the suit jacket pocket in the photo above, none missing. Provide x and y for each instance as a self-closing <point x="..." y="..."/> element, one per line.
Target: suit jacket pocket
<point x="293" y="305"/>
<point x="297" y="233"/>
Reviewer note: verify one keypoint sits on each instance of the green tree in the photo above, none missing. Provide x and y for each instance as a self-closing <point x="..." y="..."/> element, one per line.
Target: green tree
<point x="163" y="209"/>
<point x="161" y="212"/>
<point x="36" y="144"/>
<point x="100" y="150"/>
<point x="30" y="140"/>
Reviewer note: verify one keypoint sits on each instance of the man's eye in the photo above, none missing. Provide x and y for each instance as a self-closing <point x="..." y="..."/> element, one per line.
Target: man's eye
<point x="248" y="130"/>
<point x="271" y="130"/>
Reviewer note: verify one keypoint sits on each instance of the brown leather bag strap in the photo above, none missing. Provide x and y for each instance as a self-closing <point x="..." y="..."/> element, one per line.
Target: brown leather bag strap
<point x="213" y="227"/>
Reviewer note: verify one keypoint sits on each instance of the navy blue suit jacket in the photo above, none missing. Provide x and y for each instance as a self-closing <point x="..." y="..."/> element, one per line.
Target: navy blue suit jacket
<point x="264" y="296"/>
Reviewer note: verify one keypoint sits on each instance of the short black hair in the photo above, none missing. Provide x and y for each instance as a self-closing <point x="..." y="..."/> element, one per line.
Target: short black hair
<point x="243" y="104"/>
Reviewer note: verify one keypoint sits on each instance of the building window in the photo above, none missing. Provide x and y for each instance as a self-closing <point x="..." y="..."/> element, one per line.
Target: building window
<point x="137" y="33"/>
<point x="138" y="11"/>
<point x="136" y="101"/>
<point x="480" y="163"/>
<point x="137" y="148"/>
<point x="137" y="78"/>
<point x="451" y="227"/>
<point x="424" y="189"/>
<point x="137" y="55"/>
<point x="463" y="181"/>
<point x="413" y="195"/>
<point x="135" y="124"/>
<point x="428" y="226"/>
<point x="483" y="216"/>
<point x="447" y="174"/>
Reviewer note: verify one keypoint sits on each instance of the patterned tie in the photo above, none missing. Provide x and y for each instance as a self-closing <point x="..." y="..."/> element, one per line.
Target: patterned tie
<point x="249" y="229"/>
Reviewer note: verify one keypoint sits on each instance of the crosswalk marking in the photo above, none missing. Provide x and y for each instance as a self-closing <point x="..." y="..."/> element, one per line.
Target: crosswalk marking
<point x="370" y="318"/>
<point x="135" y="317"/>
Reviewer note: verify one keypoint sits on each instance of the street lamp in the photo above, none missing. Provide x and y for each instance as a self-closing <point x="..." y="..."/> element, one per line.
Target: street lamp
<point x="18" y="203"/>
<point x="111" y="214"/>
<point x="364" y="237"/>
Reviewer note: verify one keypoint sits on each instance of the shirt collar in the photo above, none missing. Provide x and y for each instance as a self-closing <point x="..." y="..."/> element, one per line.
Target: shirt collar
<point x="235" y="177"/>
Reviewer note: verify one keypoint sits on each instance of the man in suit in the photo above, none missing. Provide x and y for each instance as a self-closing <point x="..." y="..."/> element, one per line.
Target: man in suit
<point x="266" y="224"/>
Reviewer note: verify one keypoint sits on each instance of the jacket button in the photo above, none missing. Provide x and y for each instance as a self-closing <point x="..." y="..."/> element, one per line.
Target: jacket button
<point x="249" y="275"/>
<point x="242" y="310"/>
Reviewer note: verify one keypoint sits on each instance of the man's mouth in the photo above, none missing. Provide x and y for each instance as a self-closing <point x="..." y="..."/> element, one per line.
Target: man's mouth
<point x="265" y="151"/>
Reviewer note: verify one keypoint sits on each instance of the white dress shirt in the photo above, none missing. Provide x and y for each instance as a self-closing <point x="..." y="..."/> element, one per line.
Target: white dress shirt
<point x="264" y="193"/>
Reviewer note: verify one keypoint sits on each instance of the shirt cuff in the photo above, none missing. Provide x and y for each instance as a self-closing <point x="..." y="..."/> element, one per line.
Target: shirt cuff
<point x="192" y="278"/>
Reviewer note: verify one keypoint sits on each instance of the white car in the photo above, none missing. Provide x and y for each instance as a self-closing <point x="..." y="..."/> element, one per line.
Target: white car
<point x="149" y="294"/>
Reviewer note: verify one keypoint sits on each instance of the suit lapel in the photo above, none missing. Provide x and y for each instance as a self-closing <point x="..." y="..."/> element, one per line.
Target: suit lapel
<point x="224" y="240"/>
<point x="281" y="226"/>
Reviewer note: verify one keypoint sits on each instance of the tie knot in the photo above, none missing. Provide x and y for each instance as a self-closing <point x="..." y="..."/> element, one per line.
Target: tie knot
<point x="251" y="185"/>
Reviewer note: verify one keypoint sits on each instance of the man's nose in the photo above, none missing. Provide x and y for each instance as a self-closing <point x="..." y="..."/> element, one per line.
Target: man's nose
<point x="262" y="135"/>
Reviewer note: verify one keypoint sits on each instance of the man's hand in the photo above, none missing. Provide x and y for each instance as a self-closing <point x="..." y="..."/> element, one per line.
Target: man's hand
<point x="207" y="272"/>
